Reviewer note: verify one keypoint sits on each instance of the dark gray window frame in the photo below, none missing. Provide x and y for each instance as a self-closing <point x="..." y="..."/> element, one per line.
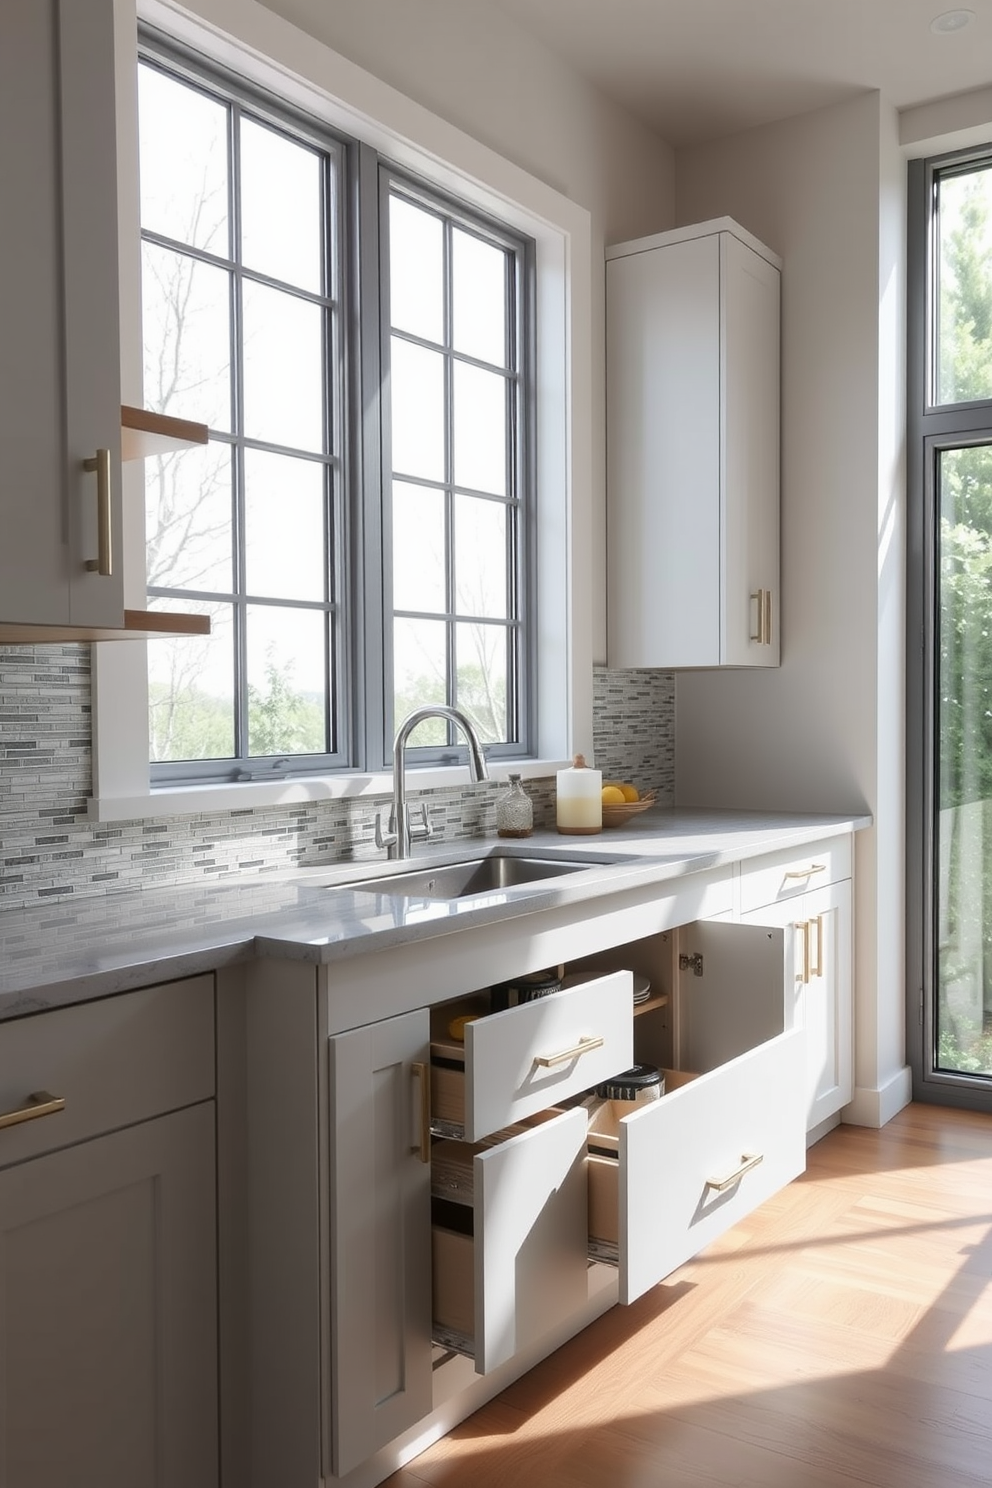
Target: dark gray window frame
<point x="931" y="428"/>
<point x="360" y="588"/>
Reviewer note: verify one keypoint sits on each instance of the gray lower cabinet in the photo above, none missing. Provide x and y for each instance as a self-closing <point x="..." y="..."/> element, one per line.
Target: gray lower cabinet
<point x="108" y="1366"/>
<point x="108" y="1243"/>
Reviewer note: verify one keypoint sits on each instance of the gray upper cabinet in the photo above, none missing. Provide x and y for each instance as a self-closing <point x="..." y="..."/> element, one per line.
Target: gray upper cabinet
<point x="60" y="348"/>
<point x="693" y="449"/>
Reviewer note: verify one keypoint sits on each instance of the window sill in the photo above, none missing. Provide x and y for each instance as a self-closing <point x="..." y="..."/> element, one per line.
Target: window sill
<point x="250" y="795"/>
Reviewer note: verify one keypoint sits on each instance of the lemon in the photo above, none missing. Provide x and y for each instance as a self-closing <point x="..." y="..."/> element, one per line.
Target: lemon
<point x="613" y="795"/>
<point x="630" y="792"/>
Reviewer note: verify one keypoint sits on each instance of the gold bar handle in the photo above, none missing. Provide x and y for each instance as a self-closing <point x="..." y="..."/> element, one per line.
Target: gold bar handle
<point x="806" y="872"/>
<point x="758" y="599"/>
<point x="749" y="1160"/>
<point x="818" y="964"/>
<point x="803" y="927"/>
<point x="584" y="1046"/>
<point x="424" y="1144"/>
<point x="39" y="1103"/>
<point x="104" y="563"/>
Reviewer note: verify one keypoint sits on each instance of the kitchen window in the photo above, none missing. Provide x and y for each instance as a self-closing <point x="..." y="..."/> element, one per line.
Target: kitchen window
<point x="949" y="746"/>
<point x="358" y="526"/>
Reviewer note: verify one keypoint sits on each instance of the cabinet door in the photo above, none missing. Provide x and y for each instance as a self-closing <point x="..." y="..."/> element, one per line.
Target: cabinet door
<point x="60" y="348"/>
<point x="749" y="291"/>
<point x="108" y="1307"/>
<point x="820" y="922"/>
<point x="827" y="1011"/>
<point x="663" y="453"/>
<point x="380" y="1235"/>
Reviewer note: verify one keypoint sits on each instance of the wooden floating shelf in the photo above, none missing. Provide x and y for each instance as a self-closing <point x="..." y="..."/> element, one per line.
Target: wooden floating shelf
<point x="144" y="433"/>
<point x="139" y="625"/>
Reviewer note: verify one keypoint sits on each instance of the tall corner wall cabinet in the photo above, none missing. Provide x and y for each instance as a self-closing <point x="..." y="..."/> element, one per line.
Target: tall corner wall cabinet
<point x="692" y="379"/>
<point x="62" y="425"/>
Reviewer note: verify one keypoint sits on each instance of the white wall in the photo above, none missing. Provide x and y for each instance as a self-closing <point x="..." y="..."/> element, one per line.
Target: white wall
<point x="477" y="68"/>
<point x="825" y="731"/>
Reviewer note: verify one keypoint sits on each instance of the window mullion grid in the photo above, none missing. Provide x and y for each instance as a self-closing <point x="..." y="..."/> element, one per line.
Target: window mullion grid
<point x="514" y="475"/>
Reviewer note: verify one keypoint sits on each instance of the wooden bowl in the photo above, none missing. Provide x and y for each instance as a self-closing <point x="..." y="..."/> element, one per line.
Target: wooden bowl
<point x="618" y="816"/>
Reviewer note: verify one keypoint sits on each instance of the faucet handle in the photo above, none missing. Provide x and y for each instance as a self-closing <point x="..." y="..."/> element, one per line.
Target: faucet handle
<point x="384" y="839"/>
<point x="421" y="830"/>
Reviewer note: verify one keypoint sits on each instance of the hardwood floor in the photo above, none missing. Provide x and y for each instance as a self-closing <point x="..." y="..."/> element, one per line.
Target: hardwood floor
<point x="842" y="1335"/>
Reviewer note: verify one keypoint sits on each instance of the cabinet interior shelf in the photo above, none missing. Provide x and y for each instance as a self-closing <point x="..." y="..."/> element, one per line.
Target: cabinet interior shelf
<point x="144" y="433"/>
<point x="139" y="625"/>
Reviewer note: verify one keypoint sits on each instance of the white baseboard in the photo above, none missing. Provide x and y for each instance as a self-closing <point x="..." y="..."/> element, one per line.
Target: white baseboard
<point x="875" y="1107"/>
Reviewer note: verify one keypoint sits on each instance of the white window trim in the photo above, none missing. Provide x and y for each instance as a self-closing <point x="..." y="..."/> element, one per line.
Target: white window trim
<point x="288" y="62"/>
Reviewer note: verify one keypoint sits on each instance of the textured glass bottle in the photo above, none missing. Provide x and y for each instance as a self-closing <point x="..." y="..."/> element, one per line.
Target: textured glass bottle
<point x="514" y="812"/>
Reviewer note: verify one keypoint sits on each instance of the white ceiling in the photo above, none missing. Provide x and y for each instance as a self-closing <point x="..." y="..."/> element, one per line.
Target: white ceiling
<point x="698" y="69"/>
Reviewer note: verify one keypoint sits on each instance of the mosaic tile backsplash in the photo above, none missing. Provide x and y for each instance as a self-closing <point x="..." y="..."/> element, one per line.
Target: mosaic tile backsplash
<point x="50" y="850"/>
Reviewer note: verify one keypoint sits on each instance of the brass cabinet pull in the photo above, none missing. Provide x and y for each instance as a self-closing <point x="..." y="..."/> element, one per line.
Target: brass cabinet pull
<point x="749" y="1160"/>
<point x="584" y="1046"/>
<point x="759" y="600"/>
<point x="39" y="1103"/>
<point x="806" y="872"/>
<point x="818" y="964"/>
<point x="762" y="600"/>
<point x="424" y="1143"/>
<point x="803" y="927"/>
<point x="104" y="563"/>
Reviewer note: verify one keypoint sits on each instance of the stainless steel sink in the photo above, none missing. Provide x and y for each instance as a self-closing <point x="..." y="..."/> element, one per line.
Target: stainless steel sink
<point x="464" y="880"/>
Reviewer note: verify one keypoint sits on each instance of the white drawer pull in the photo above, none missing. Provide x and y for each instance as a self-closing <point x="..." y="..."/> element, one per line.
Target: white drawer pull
<point x="806" y="872"/>
<point x="39" y="1103"/>
<point x="749" y="1160"/>
<point x="584" y="1046"/>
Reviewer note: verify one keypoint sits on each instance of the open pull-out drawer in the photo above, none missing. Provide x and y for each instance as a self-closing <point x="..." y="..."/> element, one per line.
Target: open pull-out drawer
<point x="521" y="1061"/>
<point x="509" y="1238"/>
<point x="694" y="1163"/>
<point x="712" y="1149"/>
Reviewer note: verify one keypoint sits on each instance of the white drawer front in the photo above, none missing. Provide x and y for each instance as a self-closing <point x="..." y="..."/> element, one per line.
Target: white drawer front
<point x="705" y="1130"/>
<point x="522" y="1273"/>
<point x="787" y="874"/>
<point x="114" y="1062"/>
<point x="528" y="1058"/>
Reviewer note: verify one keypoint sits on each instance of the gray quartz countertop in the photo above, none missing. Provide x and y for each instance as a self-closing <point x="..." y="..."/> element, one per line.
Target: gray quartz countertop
<point x="55" y="955"/>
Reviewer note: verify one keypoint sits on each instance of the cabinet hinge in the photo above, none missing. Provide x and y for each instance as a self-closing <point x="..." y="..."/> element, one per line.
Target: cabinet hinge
<point x="692" y="963"/>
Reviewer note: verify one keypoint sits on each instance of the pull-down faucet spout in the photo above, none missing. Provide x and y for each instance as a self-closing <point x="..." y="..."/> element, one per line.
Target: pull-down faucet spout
<point x="397" y="839"/>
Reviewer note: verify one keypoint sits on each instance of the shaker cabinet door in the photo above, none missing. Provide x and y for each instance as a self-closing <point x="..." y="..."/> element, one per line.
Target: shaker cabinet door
<point x="108" y="1311"/>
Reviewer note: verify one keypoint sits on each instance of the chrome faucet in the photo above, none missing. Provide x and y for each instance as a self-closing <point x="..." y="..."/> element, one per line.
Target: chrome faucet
<point x="401" y="832"/>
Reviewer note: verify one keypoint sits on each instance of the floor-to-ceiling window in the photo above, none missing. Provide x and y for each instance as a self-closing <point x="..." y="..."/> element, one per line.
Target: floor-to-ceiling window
<point x="949" y="749"/>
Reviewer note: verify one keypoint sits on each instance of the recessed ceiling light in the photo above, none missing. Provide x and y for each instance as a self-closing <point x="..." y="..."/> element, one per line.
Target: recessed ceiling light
<point x="951" y="20"/>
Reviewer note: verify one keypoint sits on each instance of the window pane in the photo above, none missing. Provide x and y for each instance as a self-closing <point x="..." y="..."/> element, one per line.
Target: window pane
<point x="480" y="429"/>
<point x="188" y="534"/>
<point x="283" y="368"/>
<point x="287" y="681"/>
<point x="186" y="314"/>
<point x="481" y="688"/>
<point x="419" y="673"/>
<point x="417" y="401"/>
<point x="478" y="298"/>
<point x="964" y="807"/>
<point x="965" y="288"/>
<point x="280" y="207"/>
<point x="418" y="548"/>
<point x="416" y="271"/>
<point x="480" y="557"/>
<point x="184" y="187"/>
<point x="191" y="688"/>
<point x="284" y="527"/>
